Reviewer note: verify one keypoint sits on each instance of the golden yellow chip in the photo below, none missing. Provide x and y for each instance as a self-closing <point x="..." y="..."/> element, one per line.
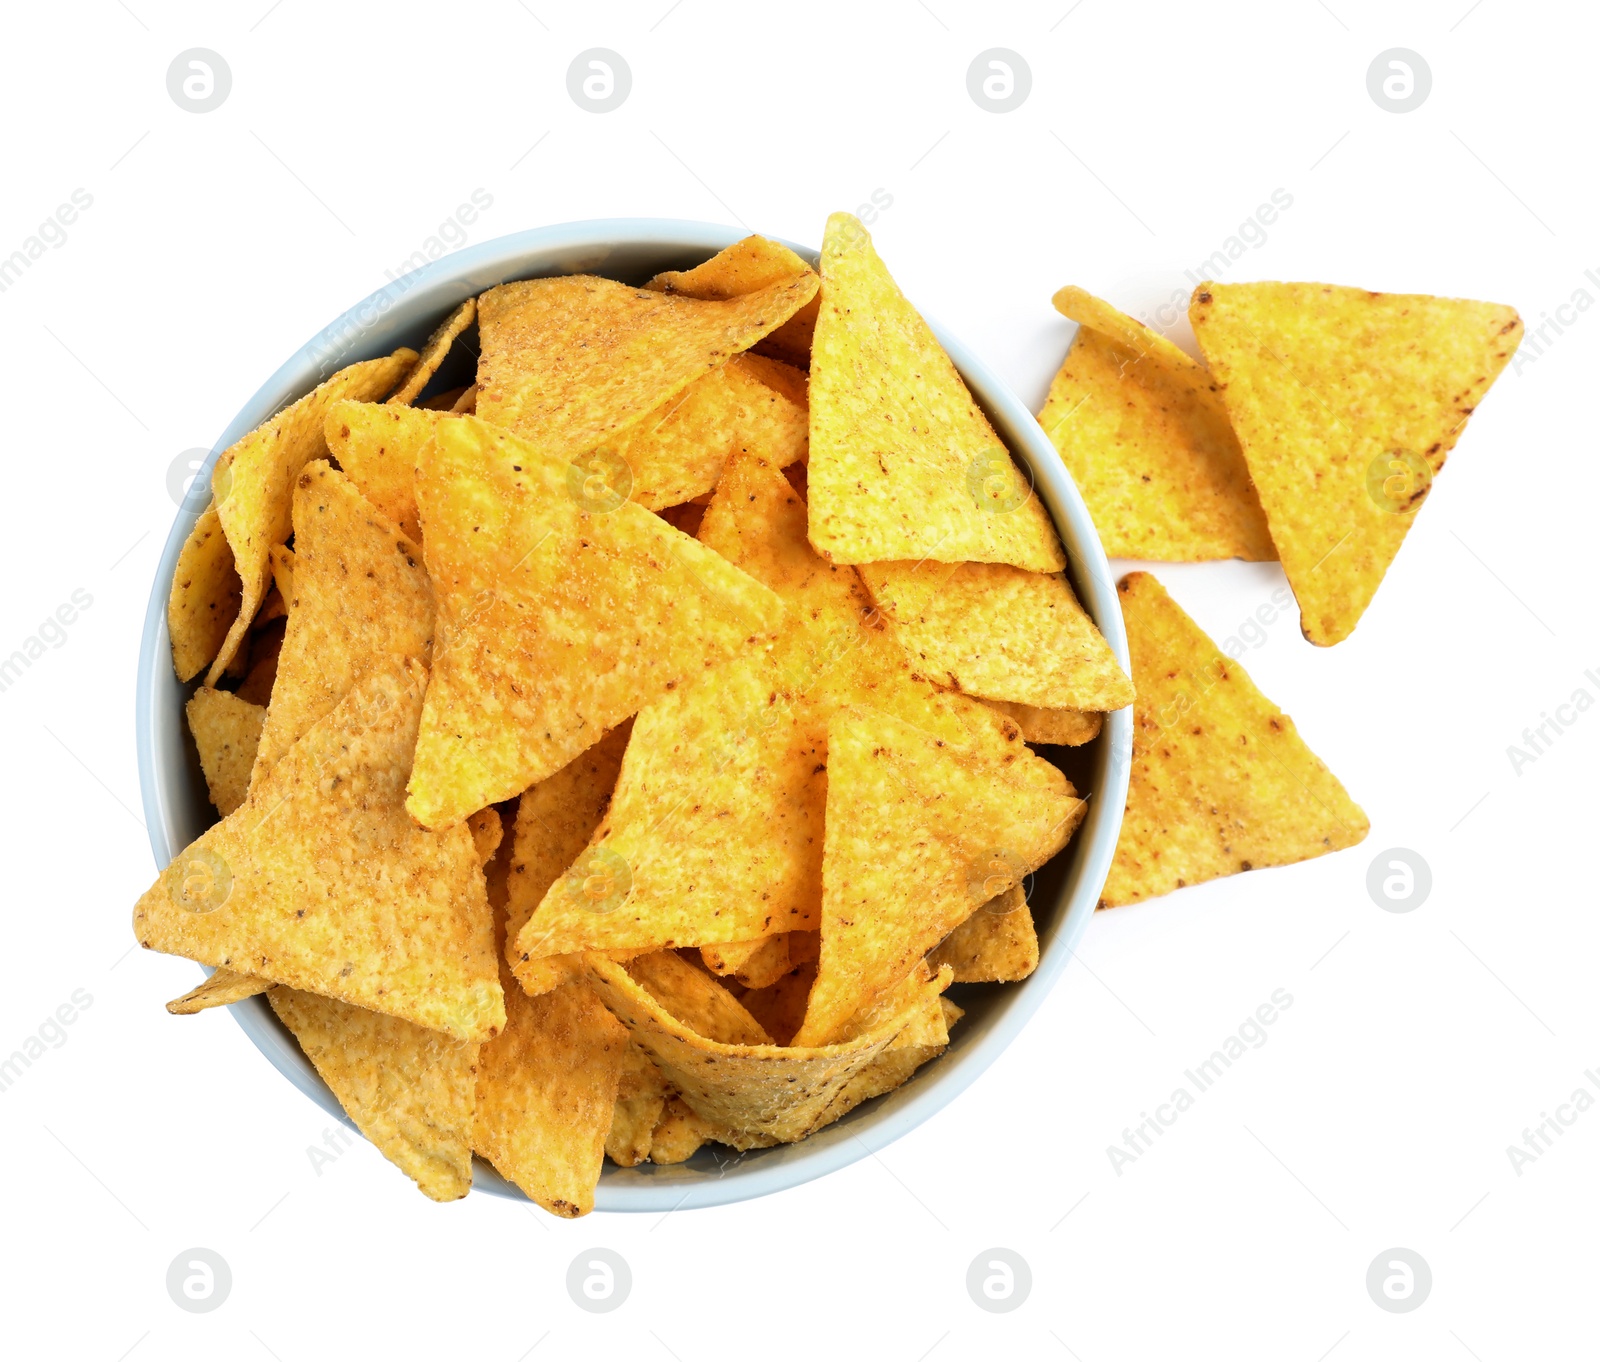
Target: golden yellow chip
<point x="997" y="944"/>
<point x="226" y="731"/>
<point x="760" y="1094"/>
<point x="755" y="964"/>
<point x="783" y="378"/>
<point x="754" y="263"/>
<point x="225" y="986"/>
<point x="677" y="452"/>
<point x="903" y="463"/>
<point x="320" y="880"/>
<point x="559" y="616"/>
<point x="1144" y="434"/>
<point x="696" y="999"/>
<point x="547" y="1087"/>
<point x="408" y="1089"/>
<point x="555" y="820"/>
<point x="679" y="1132"/>
<point x="444" y="401"/>
<point x="1058" y="727"/>
<point x="1000" y="633"/>
<point x="1221" y="781"/>
<point x="641" y="1094"/>
<point x="486" y="832"/>
<point x="1346" y="403"/>
<point x="253" y="480"/>
<point x="361" y="597"/>
<point x="571" y="362"/>
<point x="434" y="351"/>
<point x="918" y="836"/>
<point x="377" y="446"/>
<point x="924" y="1038"/>
<point x="467" y="403"/>
<point x="780" y="1007"/>
<point x="205" y="596"/>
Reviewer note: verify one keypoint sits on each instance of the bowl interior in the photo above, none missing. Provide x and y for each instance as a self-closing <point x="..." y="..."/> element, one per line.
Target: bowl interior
<point x="1062" y="895"/>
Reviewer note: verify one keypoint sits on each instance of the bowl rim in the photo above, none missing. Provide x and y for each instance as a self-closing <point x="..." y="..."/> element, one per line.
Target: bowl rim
<point x="413" y="303"/>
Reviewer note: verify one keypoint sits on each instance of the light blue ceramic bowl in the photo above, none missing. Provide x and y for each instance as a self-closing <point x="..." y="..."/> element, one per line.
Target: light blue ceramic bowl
<point x="1063" y="895"/>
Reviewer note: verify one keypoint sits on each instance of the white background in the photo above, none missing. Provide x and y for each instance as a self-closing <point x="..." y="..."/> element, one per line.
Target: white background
<point x="1419" y="1045"/>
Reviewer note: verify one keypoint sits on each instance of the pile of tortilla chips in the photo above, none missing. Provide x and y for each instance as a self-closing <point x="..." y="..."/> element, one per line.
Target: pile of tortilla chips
<point x="626" y="749"/>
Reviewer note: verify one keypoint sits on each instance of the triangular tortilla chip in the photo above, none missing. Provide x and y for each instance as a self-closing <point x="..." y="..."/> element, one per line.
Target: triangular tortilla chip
<point x="680" y="1131"/>
<point x="408" y="1089"/>
<point x="1346" y="404"/>
<point x="361" y="596"/>
<point x="792" y="383"/>
<point x="918" y="836"/>
<point x="376" y="445"/>
<point x="321" y="881"/>
<point x="755" y="964"/>
<point x="555" y="820"/>
<point x="434" y="351"/>
<point x="924" y="1038"/>
<point x="556" y="621"/>
<point x="696" y="999"/>
<point x="1058" y="727"/>
<point x="759" y="1094"/>
<point x="225" y="986"/>
<point x="253" y="480"/>
<point x="547" y="1086"/>
<point x="997" y="944"/>
<point x="677" y="452"/>
<point x="754" y="263"/>
<point x="1000" y="633"/>
<point x="1221" y="781"/>
<point x="205" y="596"/>
<point x="571" y="362"/>
<point x="726" y="847"/>
<point x="226" y="732"/>
<point x="641" y="1094"/>
<point x="903" y="463"/>
<point x="1146" y="438"/>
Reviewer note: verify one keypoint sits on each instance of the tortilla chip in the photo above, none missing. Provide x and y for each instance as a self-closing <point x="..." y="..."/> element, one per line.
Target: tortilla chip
<point x="754" y="263"/>
<point x="677" y="452"/>
<point x="1146" y="438"/>
<point x="696" y="999"/>
<point x="641" y="1094"/>
<point x="1059" y="727"/>
<point x="761" y="1094"/>
<point x="555" y="820"/>
<point x="780" y="1007"/>
<point x="434" y="351"/>
<point x="487" y="831"/>
<point x="680" y="1132"/>
<point x="226" y="730"/>
<point x="377" y="446"/>
<point x="444" y="401"/>
<point x="265" y="646"/>
<point x="569" y="363"/>
<point x="361" y="596"/>
<point x="225" y="986"/>
<point x="792" y="383"/>
<point x="205" y="596"/>
<point x="1221" y="781"/>
<point x="273" y="608"/>
<point x="408" y="1089"/>
<point x="280" y="561"/>
<point x="253" y="481"/>
<point x="918" y="836"/>
<point x="1000" y="633"/>
<point x="547" y="1086"/>
<point x="997" y="944"/>
<point x="529" y="580"/>
<point x="903" y="463"/>
<point x="321" y="881"/>
<point x="467" y="403"/>
<point x="755" y="964"/>
<point x="924" y="1038"/>
<point x="1346" y="404"/>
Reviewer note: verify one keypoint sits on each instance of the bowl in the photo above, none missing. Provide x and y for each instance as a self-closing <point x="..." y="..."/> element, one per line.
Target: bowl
<point x="1063" y="894"/>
